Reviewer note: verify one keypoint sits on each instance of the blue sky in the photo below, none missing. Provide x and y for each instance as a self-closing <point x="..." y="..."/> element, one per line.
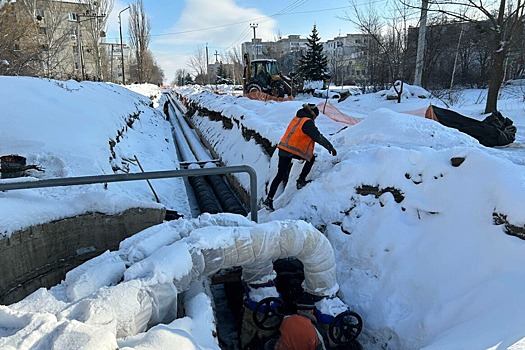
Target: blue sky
<point x="180" y="27"/>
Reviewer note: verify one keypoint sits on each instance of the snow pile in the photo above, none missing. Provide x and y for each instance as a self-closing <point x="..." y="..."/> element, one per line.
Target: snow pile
<point x="419" y="254"/>
<point x="413" y="210"/>
<point x="79" y="129"/>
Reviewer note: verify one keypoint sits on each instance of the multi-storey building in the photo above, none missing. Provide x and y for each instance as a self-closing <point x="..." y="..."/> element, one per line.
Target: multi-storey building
<point x="347" y="58"/>
<point x="274" y="49"/>
<point x="346" y="54"/>
<point x="69" y="35"/>
<point x="114" y="54"/>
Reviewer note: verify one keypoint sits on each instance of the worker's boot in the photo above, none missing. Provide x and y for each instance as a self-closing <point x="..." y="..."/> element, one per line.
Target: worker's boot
<point x="301" y="183"/>
<point x="268" y="203"/>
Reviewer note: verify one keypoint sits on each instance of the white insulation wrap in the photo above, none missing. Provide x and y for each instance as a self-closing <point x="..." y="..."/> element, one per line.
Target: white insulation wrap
<point x="297" y="239"/>
<point x="255" y="248"/>
<point x="150" y="287"/>
<point x="211" y="248"/>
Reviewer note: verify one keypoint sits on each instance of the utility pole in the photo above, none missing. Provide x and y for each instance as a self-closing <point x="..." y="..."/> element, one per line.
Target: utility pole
<point x="80" y="51"/>
<point x="254" y="25"/>
<point x="122" y="46"/>
<point x="216" y="54"/>
<point x="207" y="62"/>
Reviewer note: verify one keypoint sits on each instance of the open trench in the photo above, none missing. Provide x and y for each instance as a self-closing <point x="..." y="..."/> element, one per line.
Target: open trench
<point x="233" y="305"/>
<point x="211" y="194"/>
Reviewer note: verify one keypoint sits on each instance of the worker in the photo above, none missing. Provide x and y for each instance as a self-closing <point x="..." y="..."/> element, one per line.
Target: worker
<point x="263" y="76"/>
<point x="166" y="109"/>
<point x="298" y="143"/>
<point x="299" y="331"/>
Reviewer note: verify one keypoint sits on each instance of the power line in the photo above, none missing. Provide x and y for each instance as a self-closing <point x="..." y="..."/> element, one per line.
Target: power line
<point x="259" y="20"/>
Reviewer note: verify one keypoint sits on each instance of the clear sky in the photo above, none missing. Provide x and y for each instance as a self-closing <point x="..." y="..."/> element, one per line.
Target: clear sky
<point x="180" y="27"/>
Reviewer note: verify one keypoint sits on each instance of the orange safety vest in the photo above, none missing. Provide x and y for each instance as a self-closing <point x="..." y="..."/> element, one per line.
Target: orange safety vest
<point x="296" y="141"/>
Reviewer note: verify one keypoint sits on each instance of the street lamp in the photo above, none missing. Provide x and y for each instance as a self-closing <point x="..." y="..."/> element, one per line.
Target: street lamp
<point x="121" y="46"/>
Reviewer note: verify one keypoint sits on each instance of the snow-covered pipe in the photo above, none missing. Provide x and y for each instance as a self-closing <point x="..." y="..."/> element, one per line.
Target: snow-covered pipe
<point x="157" y="279"/>
<point x="200" y="152"/>
<point x="262" y="244"/>
<point x="184" y="149"/>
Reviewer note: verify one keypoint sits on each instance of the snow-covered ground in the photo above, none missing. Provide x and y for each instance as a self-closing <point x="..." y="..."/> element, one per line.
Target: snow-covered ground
<point x="430" y="271"/>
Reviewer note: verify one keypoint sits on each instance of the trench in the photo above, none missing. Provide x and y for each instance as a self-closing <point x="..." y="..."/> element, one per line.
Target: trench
<point x="212" y="194"/>
<point x="41" y="255"/>
<point x="232" y="307"/>
<point x="226" y="287"/>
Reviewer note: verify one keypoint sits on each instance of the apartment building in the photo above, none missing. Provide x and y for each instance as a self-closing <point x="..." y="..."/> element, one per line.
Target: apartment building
<point x="347" y="58"/>
<point x="68" y="35"/>
<point x="274" y="49"/>
<point x="346" y="54"/>
<point x="114" y="55"/>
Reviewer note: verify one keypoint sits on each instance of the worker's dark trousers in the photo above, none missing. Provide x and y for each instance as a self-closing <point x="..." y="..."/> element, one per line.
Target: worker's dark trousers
<point x="283" y="169"/>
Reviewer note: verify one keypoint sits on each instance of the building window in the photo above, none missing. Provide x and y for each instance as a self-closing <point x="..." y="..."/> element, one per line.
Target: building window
<point x="72" y="17"/>
<point x="39" y="14"/>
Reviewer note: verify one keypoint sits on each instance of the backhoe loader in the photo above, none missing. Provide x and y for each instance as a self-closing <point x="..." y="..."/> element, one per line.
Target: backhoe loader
<point x="263" y="75"/>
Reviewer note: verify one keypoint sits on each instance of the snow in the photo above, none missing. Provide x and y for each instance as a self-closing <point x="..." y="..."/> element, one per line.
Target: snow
<point x="432" y="271"/>
<point x="65" y="128"/>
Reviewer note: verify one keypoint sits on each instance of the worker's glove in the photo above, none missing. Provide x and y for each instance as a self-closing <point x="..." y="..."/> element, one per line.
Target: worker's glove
<point x="333" y="152"/>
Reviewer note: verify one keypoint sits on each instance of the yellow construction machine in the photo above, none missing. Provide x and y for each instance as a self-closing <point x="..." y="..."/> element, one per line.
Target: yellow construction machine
<point x="263" y="75"/>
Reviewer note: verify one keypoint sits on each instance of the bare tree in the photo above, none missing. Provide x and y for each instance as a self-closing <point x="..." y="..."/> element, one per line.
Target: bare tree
<point x="198" y="63"/>
<point x="18" y="53"/>
<point x="179" y="79"/>
<point x="94" y="24"/>
<point x="139" y="31"/>
<point x="51" y="33"/>
<point x="504" y="19"/>
<point x="152" y="73"/>
<point x="380" y="65"/>
<point x="234" y="58"/>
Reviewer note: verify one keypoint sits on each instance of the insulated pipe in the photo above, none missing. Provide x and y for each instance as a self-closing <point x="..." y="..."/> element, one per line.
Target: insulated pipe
<point x="223" y="192"/>
<point x="262" y="244"/>
<point x="151" y="286"/>
<point x="200" y="152"/>
<point x="225" y="195"/>
<point x="203" y="192"/>
<point x="209" y="249"/>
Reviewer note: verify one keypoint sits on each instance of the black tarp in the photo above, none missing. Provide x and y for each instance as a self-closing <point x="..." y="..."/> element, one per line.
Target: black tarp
<point x="494" y="130"/>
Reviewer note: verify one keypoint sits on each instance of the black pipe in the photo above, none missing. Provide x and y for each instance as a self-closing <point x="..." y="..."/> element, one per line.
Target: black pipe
<point x="204" y="194"/>
<point x="225" y="195"/>
<point x="219" y="197"/>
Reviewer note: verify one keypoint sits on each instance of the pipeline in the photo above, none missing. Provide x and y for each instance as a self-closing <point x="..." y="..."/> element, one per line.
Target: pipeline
<point x="212" y="192"/>
<point x="204" y="195"/>
<point x="154" y="285"/>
